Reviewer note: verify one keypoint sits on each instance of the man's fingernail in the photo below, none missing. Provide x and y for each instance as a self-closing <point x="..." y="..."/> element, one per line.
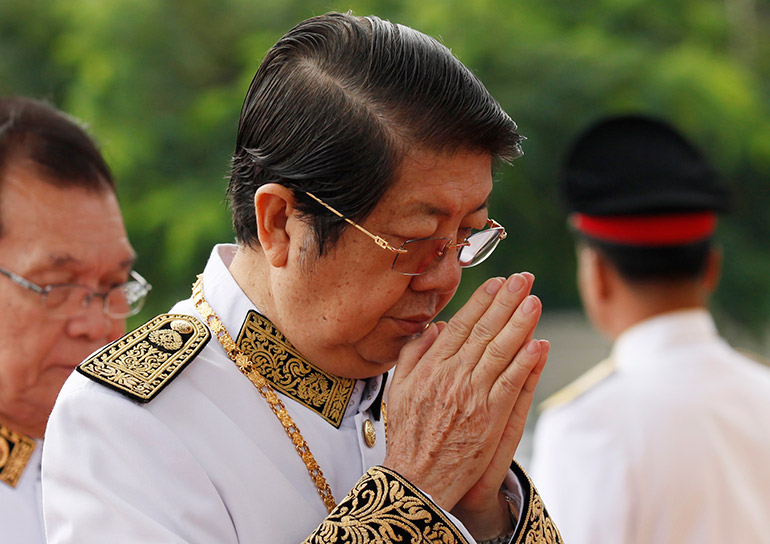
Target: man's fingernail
<point x="533" y="346"/>
<point x="516" y="282"/>
<point x="530" y="304"/>
<point x="493" y="286"/>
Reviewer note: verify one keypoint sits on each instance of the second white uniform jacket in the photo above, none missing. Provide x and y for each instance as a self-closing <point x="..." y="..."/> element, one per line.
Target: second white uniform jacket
<point x="671" y="446"/>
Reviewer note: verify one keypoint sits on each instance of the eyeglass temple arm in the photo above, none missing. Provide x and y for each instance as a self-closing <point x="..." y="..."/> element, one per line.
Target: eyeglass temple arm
<point x="491" y="223"/>
<point x="22" y="281"/>
<point x="377" y="240"/>
<point x="140" y="279"/>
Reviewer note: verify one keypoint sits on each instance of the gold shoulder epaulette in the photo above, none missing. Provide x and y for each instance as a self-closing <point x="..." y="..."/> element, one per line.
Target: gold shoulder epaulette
<point x="144" y="361"/>
<point x="579" y="386"/>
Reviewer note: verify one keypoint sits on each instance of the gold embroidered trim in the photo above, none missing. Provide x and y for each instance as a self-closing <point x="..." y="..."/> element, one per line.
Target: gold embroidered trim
<point x="384" y="507"/>
<point x="15" y="452"/>
<point x="144" y="361"/>
<point x="536" y="526"/>
<point x="290" y="373"/>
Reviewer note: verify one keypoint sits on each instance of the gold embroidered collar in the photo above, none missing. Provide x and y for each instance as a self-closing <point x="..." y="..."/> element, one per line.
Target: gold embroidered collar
<point x="290" y="373"/>
<point x="15" y="451"/>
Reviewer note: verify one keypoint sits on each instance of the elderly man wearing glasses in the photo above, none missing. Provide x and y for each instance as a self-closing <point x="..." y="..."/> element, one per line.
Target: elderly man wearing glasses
<point x="257" y="410"/>
<point x="66" y="286"/>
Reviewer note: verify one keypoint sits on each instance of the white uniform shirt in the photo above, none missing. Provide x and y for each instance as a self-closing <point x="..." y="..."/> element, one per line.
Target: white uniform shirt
<point x="21" y="510"/>
<point x="672" y="447"/>
<point x="206" y="460"/>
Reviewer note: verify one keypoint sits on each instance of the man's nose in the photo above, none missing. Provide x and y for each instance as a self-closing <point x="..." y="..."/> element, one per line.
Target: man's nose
<point x="442" y="278"/>
<point x="92" y="323"/>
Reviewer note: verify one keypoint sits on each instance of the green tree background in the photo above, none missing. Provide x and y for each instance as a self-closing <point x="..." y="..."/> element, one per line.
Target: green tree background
<point x="160" y="85"/>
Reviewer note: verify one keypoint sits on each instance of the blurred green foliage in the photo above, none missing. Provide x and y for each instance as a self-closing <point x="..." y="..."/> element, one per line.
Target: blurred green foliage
<point x="160" y="85"/>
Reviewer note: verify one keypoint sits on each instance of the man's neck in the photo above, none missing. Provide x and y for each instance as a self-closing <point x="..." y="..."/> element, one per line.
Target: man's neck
<point x="638" y="304"/>
<point x="249" y="271"/>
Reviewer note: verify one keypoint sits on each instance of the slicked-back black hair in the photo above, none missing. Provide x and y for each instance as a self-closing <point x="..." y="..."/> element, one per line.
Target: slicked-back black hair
<point x="334" y="107"/>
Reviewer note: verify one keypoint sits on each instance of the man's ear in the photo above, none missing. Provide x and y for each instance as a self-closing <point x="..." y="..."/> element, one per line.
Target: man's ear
<point x="606" y="275"/>
<point x="713" y="269"/>
<point x="274" y="210"/>
<point x="595" y="274"/>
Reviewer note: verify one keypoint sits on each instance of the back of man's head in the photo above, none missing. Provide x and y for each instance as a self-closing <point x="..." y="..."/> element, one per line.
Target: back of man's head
<point x="335" y="106"/>
<point x="37" y="136"/>
<point x="644" y="196"/>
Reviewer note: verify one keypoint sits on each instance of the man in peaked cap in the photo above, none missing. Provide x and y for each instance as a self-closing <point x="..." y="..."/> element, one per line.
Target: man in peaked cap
<point x="668" y="439"/>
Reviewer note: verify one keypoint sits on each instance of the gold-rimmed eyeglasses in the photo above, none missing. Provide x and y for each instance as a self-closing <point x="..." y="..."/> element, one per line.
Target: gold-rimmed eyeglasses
<point x="421" y="255"/>
<point x="70" y="300"/>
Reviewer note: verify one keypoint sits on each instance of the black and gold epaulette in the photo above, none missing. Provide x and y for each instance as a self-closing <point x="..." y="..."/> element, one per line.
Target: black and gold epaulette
<point x="144" y="361"/>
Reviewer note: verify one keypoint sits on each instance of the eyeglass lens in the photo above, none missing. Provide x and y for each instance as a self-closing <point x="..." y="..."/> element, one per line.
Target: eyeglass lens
<point x="480" y="246"/>
<point x="421" y="255"/>
<point x="424" y="254"/>
<point x="70" y="300"/>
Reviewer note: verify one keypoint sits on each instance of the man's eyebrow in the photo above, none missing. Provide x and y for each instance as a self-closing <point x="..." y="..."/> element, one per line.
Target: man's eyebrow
<point x="62" y="260"/>
<point x="67" y="259"/>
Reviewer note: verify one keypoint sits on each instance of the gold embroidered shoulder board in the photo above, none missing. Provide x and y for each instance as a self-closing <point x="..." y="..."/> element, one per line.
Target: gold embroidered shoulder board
<point x="144" y="361"/>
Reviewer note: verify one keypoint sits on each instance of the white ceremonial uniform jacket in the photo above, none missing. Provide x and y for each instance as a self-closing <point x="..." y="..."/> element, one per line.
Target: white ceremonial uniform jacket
<point x="672" y="446"/>
<point x="206" y="460"/>
<point x="21" y="508"/>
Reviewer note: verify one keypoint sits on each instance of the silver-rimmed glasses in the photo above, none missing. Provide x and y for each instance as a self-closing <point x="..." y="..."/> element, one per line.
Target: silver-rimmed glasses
<point x="419" y="256"/>
<point x="70" y="300"/>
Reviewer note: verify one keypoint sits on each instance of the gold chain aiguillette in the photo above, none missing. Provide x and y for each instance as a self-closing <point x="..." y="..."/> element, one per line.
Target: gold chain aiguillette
<point x="247" y="367"/>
